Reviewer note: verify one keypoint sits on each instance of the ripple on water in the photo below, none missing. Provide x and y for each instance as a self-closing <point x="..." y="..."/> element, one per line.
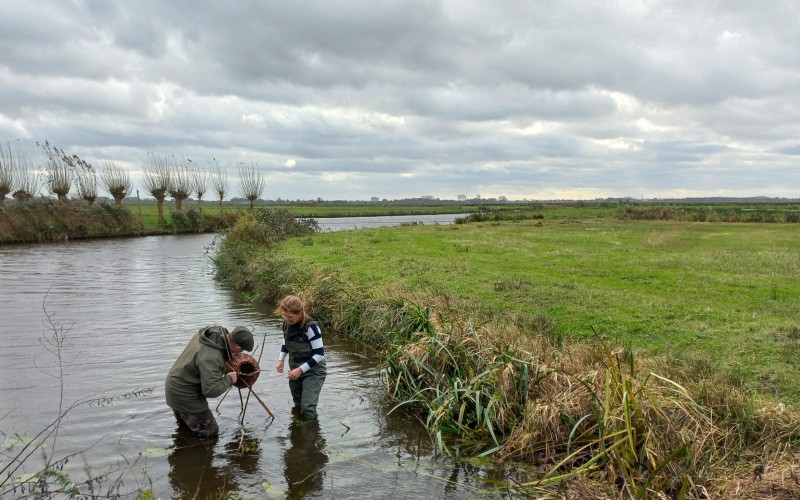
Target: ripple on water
<point x="130" y="306"/>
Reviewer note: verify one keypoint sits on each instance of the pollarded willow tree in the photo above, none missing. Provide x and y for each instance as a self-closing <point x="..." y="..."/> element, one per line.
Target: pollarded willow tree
<point x="117" y="181"/>
<point x="7" y="169"/>
<point x="251" y="181"/>
<point x="58" y="173"/>
<point x="158" y="181"/>
<point x="199" y="185"/>
<point x="26" y="178"/>
<point x="181" y="185"/>
<point x="219" y="183"/>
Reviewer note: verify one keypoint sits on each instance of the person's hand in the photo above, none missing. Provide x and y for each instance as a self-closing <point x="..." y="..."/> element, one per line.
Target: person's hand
<point x="279" y="366"/>
<point x="295" y="374"/>
<point x="232" y="376"/>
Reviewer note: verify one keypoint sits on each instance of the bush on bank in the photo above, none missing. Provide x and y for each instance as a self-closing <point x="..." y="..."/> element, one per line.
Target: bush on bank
<point x="595" y="419"/>
<point x="44" y="219"/>
<point x="41" y="220"/>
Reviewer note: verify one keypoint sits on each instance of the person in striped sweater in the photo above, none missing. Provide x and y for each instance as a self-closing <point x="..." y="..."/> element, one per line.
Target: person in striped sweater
<point x="302" y="345"/>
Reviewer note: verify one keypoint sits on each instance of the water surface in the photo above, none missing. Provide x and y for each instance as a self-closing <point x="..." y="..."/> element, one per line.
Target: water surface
<point x="126" y="308"/>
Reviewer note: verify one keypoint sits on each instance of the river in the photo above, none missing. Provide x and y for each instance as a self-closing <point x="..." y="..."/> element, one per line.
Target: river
<point x="123" y="310"/>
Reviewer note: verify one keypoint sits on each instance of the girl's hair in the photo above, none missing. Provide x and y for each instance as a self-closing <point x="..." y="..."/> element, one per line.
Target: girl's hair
<point x="294" y="305"/>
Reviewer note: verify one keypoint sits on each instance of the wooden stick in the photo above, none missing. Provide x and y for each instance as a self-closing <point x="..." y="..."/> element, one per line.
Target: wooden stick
<point x="259" y="400"/>
<point x="223" y="397"/>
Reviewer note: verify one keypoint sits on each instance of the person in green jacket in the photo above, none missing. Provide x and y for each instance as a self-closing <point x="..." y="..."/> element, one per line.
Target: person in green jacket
<point x="199" y="373"/>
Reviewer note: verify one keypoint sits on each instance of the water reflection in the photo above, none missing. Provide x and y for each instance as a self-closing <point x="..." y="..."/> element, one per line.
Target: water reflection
<point x="133" y="304"/>
<point x="198" y="470"/>
<point x="304" y="460"/>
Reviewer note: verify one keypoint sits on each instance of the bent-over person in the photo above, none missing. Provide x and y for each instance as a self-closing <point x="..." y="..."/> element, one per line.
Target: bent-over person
<point x="199" y="373"/>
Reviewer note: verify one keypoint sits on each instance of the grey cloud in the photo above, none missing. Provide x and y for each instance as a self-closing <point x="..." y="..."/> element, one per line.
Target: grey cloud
<point x="392" y="98"/>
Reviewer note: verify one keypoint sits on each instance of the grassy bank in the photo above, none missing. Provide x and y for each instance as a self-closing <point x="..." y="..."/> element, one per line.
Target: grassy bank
<point x="728" y="293"/>
<point x="506" y="335"/>
<point x="42" y="220"/>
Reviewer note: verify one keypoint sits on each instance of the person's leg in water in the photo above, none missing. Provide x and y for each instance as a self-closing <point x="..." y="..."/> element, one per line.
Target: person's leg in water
<point x="312" y="386"/>
<point x="296" y="388"/>
<point x="202" y="424"/>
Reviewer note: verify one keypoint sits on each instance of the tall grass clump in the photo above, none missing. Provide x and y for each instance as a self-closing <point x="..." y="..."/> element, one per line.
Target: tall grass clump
<point x="189" y="221"/>
<point x="45" y="220"/>
<point x="252" y="232"/>
<point x="498" y="216"/>
<point x="699" y="213"/>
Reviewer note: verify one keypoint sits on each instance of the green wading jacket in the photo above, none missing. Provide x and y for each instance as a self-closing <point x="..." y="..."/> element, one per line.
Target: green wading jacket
<point x="199" y="372"/>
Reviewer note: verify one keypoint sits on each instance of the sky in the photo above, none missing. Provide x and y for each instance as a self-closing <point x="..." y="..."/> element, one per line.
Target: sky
<point x="350" y="100"/>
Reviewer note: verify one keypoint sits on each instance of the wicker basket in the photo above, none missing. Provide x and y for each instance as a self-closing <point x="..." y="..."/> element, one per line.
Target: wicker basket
<point x="246" y="368"/>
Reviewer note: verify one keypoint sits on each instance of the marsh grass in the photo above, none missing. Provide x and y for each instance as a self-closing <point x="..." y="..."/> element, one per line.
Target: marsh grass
<point x="769" y="213"/>
<point x="485" y="346"/>
<point x="39" y="220"/>
<point x="42" y="219"/>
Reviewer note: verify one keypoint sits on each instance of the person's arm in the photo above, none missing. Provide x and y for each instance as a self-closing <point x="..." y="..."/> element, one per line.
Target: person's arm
<point x="213" y="379"/>
<point x="281" y="357"/>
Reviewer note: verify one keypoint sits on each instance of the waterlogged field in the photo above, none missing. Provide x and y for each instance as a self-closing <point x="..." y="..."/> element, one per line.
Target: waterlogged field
<point x="725" y="294"/>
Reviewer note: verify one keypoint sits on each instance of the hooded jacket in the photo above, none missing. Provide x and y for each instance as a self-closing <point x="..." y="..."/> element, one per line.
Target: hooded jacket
<point x="199" y="372"/>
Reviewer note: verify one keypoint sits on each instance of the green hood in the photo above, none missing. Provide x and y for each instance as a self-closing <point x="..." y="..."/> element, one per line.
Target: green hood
<point x="214" y="337"/>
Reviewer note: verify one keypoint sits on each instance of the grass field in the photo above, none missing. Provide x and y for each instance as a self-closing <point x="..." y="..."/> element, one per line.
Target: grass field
<point x="149" y="210"/>
<point x="723" y="293"/>
<point x="489" y="329"/>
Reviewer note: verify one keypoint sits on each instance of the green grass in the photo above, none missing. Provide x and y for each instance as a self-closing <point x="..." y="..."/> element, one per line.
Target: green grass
<point x="473" y="322"/>
<point x="727" y="293"/>
<point x="150" y="214"/>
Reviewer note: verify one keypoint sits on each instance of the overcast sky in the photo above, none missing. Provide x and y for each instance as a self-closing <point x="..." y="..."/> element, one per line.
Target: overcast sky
<point x="546" y="99"/>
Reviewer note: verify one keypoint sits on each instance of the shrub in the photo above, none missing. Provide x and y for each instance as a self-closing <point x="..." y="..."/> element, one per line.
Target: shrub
<point x="45" y="219"/>
<point x="189" y="221"/>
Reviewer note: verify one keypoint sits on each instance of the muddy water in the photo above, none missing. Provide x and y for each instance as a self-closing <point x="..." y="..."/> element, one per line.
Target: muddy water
<point x="126" y="308"/>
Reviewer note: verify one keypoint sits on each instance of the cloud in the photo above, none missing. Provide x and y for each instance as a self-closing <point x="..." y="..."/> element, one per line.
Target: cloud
<point x="335" y="100"/>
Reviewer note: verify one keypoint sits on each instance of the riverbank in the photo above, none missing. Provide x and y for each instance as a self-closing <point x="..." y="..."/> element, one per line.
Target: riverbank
<point x="45" y="220"/>
<point x="484" y="329"/>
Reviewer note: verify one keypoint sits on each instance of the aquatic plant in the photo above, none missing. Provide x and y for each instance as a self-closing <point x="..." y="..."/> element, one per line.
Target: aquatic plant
<point x="49" y="480"/>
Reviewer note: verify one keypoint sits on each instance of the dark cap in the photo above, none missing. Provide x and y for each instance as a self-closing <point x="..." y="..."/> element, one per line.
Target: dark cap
<point x="242" y="336"/>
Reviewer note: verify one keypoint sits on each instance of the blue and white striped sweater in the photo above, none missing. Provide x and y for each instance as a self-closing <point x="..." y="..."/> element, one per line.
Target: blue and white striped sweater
<point x="314" y="336"/>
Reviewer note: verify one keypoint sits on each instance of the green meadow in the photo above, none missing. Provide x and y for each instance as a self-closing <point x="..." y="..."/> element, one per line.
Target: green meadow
<point x="623" y="351"/>
<point x="149" y="210"/>
<point x="727" y="294"/>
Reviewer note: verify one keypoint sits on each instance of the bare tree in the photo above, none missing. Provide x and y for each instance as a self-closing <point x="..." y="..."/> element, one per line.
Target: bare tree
<point x="199" y="184"/>
<point x="158" y="181"/>
<point x="219" y="183"/>
<point x="251" y="182"/>
<point x="117" y="181"/>
<point x="27" y="178"/>
<point x="7" y="169"/>
<point x="58" y="174"/>
<point x="181" y="185"/>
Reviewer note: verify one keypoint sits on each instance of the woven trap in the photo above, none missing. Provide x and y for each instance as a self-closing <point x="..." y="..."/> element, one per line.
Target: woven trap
<point x="246" y="368"/>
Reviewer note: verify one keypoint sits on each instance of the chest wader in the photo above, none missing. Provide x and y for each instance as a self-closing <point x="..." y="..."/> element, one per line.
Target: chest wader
<point x="306" y="389"/>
